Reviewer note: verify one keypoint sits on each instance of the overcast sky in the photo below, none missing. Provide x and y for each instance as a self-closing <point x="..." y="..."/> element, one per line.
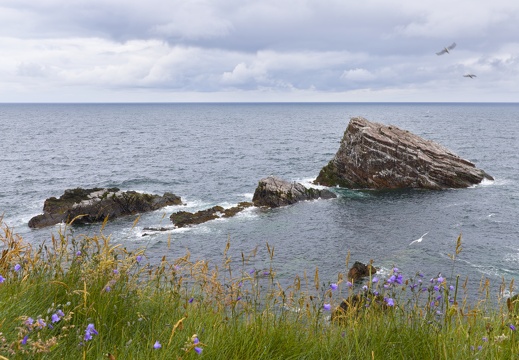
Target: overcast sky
<point x="265" y="50"/>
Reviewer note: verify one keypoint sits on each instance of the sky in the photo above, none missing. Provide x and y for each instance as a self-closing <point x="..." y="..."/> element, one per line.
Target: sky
<point x="258" y="51"/>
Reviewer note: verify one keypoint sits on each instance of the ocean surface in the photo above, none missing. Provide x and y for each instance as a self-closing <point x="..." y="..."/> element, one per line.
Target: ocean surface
<point x="215" y="154"/>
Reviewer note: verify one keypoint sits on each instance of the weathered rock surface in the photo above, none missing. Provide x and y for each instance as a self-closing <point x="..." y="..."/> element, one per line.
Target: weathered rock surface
<point x="360" y="270"/>
<point x="274" y="192"/>
<point x="185" y="218"/>
<point x="97" y="204"/>
<point x="375" y="156"/>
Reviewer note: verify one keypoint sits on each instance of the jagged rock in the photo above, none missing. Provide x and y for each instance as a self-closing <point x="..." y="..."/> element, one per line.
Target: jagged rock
<point x="96" y="204"/>
<point x="376" y="156"/>
<point x="360" y="270"/>
<point x="274" y="192"/>
<point x="185" y="218"/>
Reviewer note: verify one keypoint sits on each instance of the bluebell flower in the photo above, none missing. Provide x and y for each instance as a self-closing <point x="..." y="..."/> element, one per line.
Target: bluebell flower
<point x="349" y="284"/>
<point x="90" y="330"/>
<point x="399" y="279"/>
<point x="108" y="288"/>
<point x="138" y="258"/>
<point x="252" y="271"/>
<point x="29" y="321"/>
<point x="391" y="279"/>
<point x="436" y="288"/>
<point x="375" y="280"/>
<point x="2" y="279"/>
<point x="17" y="267"/>
<point x="41" y="323"/>
<point x="24" y="340"/>
<point x="327" y="307"/>
<point x="116" y="271"/>
<point x="485" y="339"/>
<point x="365" y="288"/>
<point x="55" y="318"/>
<point x="157" y="345"/>
<point x="198" y="350"/>
<point x="191" y="300"/>
<point x="389" y="301"/>
<point x="238" y="298"/>
<point x="78" y="253"/>
<point x="195" y="340"/>
<point x="440" y="279"/>
<point x="395" y="270"/>
<point x="511" y="326"/>
<point x="334" y="286"/>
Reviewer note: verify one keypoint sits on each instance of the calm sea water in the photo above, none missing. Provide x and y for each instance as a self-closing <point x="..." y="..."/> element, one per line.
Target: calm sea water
<point x="215" y="154"/>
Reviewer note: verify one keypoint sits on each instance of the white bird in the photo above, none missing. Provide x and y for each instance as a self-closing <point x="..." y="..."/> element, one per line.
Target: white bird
<point x="446" y="49"/>
<point x="418" y="240"/>
<point x="472" y="76"/>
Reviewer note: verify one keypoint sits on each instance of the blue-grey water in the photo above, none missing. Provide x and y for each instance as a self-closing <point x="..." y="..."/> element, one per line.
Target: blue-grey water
<point x="215" y="154"/>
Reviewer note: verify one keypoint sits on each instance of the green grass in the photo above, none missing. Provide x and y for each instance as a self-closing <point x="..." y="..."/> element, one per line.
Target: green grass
<point x="233" y="314"/>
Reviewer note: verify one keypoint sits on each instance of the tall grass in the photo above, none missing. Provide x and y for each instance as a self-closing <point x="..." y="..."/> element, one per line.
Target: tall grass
<point x="87" y="297"/>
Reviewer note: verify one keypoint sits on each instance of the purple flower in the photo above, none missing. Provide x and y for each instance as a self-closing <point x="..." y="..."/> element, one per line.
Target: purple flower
<point x="191" y="300"/>
<point x="238" y="298"/>
<point x="334" y="286"/>
<point x="480" y="347"/>
<point x="375" y="280"/>
<point x="17" y="267"/>
<point x="365" y="288"/>
<point x="60" y="313"/>
<point x="252" y="271"/>
<point x="195" y="340"/>
<point x="157" y="345"/>
<point x="41" y="323"/>
<point x="327" y="307"/>
<point x="108" y="288"/>
<point x="395" y="270"/>
<point x="451" y="288"/>
<point x="349" y="284"/>
<point x="29" y="321"/>
<point x="78" y="253"/>
<point x="116" y="271"/>
<point x="511" y="326"/>
<point x="266" y="273"/>
<point x="24" y="340"/>
<point x="389" y="301"/>
<point x="436" y="288"/>
<point x="440" y="279"/>
<point x="55" y="318"/>
<point x="198" y="350"/>
<point x="391" y="279"/>
<point x="90" y="330"/>
<point x="2" y="279"/>
<point x="399" y="279"/>
<point x="485" y="339"/>
<point x="138" y="258"/>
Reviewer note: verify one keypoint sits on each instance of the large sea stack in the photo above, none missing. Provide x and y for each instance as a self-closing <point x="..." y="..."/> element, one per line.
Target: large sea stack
<point x="376" y="156"/>
<point x="94" y="205"/>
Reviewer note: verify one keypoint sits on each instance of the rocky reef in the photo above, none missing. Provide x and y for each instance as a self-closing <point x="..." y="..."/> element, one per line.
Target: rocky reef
<point x="184" y="218"/>
<point x="274" y="192"/>
<point x="376" y="156"/>
<point x="94" y="205"/>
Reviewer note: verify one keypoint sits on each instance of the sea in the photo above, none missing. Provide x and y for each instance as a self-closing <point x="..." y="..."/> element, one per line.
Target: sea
<point x="215" y="153"/>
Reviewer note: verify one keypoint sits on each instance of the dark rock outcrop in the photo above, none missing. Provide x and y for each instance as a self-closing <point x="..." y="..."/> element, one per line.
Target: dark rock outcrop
<point x="274" y="192"/>
<point x="360" y="270"/>
<point x="350" y="307"/>
<point x="94" y="205"/>
<point x="185" y="218"/>
<point x="375" y="156"/>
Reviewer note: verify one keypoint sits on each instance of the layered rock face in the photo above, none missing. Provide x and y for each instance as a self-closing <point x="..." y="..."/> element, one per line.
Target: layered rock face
<point x="96" y="204"/>
<point x="375" y="156"/>
<point x="274" y="192"/>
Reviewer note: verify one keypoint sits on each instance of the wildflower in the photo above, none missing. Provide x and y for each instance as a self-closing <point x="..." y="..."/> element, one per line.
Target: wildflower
<point x="60" y="313"/>
<point x="395" y="270"/>
<point x="195" y="340"/>
<point x="399" y="279"/>
<point x="440" y="279"/>
<point x="480" y="347"/>
<point x="24" y="340"/>
<point x="108" y="288"/>
<point x="511" y="326"/>
<point x="2" y="279"/>
<point x="451" y="288"/>
<point x="349" y="284"/>
<point x="55" y="318"/>
<point x="90" y="330"/>
<point x="391" y="279"/>
<point x="41" y="323"/>
<point x="266" y="273"/>
<point x="436" y="288"/>
<point x="78" y="253"/>
<point x="138" y="258"/>
<point x="375" y="280"/>
<point x="17" y="267"/>
<point x="327" y="307"/>
<point x="238" y="298"/>
<point x="365" y="288"/>
<point x="485" y="339"/>
<point x="198" y="350"/>
<point x="191" y="300"/>
<point x="29" y="321"/>
<point x="116" y="271"/>
<point x="157" y="345"/>
<point x="334" y="286"/>
<point x="389" y="301"/>
<point x="252" y="271"/>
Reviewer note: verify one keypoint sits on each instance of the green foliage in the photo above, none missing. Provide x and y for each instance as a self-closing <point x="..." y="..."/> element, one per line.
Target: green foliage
<point x="86" y="297"/>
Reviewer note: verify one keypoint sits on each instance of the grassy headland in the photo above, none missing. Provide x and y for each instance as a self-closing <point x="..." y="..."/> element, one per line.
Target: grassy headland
<point x="87" y="297"/>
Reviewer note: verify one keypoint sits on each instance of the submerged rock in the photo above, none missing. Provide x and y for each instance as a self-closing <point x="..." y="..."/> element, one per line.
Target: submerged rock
<point x="274" y="192"/>
<point x="94" y="205"/>
<point x="375" y="156"/>
<point x="185" y="218"/>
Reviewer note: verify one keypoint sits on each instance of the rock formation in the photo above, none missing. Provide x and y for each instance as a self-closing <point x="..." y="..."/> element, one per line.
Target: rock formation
<point x="273" y="192"/>
<point x="184" y="218"/>
<point x="375" y="156"/>
<point x="96" y="204"/>
<point x="359" y="270"/>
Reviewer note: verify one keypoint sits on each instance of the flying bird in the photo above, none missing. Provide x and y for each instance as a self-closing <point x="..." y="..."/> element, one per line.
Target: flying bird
<point x="446" y="49"/>
<point x="418" y="240"/>
<point x="472" y="76"/>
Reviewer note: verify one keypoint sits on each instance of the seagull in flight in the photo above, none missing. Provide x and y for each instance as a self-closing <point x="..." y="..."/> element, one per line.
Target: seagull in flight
<point x="418" y="240"/>
<point x="446" y="49"/>
<point x="472" y="76"/>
